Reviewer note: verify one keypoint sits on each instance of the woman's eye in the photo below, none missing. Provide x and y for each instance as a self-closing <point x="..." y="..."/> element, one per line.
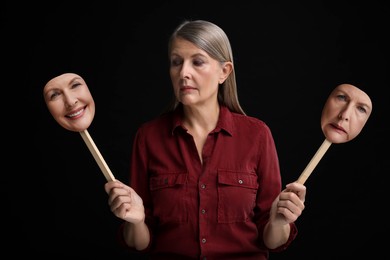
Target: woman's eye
<point x="341" y="97"/>
<point x="54" y="95"/>
<point x="175" y="62"/>
<point x="198" y="62"/>
<point x="362" y="109"/>
<point x="76" y="84"/>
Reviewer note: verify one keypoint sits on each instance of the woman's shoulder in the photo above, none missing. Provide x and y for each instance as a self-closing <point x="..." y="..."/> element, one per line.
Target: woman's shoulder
<point x="249" y="128"/>
<point x="249" y="120"/>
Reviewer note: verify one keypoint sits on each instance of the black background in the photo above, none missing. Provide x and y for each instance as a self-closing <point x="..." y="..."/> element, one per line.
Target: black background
<point x="288" y="57"/>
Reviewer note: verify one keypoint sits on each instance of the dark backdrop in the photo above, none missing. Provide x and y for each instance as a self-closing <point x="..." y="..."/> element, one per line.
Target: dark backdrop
<point x="288" y="57"/>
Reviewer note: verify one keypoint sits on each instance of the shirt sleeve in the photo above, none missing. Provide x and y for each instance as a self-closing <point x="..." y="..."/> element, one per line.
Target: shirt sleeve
<point x="293" y="234"/>
<point x="139" y="182"/>
<point x="270" y="184"/>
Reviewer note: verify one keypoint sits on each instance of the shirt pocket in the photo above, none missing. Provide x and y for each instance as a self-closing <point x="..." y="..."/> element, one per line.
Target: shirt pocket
<point x="237" y="192"/>
<point x="168" y="194"/>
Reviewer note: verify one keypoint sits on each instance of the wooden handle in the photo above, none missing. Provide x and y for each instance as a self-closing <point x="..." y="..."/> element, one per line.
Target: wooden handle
<point x="314" y="161"/>
<point x="96" y="154"/>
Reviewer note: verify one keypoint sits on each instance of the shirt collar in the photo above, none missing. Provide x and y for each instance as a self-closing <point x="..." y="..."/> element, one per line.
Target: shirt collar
<point x="225" y="121"/>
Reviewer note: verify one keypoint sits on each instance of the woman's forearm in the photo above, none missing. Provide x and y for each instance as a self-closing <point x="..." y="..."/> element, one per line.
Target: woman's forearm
<point x="275" y="235"/>
<point x="136" y="235"/>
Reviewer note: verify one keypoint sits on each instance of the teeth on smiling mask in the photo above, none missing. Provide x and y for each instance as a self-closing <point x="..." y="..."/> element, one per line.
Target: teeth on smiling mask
<point x="77" y="113"/>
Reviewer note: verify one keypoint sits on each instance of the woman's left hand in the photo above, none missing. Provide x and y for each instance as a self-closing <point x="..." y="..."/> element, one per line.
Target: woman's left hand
<point x="288" y="206"/>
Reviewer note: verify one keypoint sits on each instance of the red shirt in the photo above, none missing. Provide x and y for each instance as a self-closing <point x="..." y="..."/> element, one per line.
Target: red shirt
<point x="214" y="210"/>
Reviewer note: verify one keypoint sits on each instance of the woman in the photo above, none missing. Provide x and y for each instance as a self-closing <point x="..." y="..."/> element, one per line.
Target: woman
<point x="205" y="178"/>
<point x="70" y="102"/>
<point x="346" y="111"/>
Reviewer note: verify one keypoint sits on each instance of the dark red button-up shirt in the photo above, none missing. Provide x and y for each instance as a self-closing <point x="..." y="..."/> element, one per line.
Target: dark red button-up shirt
<point x="214" y="210"/>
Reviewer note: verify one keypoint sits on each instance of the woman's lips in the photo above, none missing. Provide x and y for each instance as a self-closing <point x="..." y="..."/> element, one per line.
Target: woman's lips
<point x="76" y="113"/>
<point x="338" y="128"/>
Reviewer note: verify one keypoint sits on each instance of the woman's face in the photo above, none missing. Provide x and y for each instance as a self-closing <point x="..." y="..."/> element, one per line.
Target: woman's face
<point x="69" y="101"/>
<point x="194" y="74"/>
<point x="346" y="111"/>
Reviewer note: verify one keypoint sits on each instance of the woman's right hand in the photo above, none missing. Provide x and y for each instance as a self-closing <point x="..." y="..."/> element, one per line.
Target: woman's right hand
<point x="124" y="202"/>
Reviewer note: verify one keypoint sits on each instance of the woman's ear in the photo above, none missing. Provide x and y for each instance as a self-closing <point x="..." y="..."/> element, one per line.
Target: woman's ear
<point x="227" y="68"/>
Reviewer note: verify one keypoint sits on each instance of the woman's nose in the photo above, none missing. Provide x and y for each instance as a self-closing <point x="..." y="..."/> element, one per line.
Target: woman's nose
<point x="71" y="101"/>
<point x="344" y="114"/>
<point x="185" y="71"/>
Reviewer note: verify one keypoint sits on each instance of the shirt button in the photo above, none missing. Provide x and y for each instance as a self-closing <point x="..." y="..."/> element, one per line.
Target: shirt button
<point x="240" y="181"/>
<point x="203" y="211"/>
<point x="203" y="240"/>
<point x="203" y="186"/>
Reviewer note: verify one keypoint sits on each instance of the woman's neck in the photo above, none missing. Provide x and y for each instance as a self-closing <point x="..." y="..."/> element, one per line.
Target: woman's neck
<point x="202" y="119"/>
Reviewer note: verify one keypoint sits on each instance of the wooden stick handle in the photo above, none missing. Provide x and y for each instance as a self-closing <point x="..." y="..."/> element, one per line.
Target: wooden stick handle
<point x="314" y="161"/>
<point x="96" y="154"/>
